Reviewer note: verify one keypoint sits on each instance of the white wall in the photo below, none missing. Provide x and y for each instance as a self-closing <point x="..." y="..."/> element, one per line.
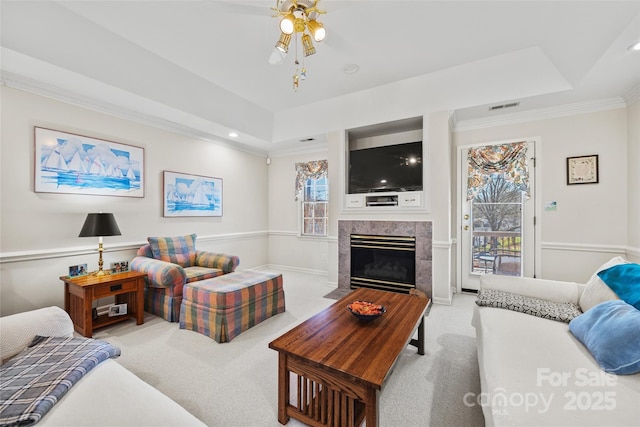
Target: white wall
<point x="39" y="231"/>
<point x="260" y="223"/>
<point x="286" y="246"/>
<point x="590" y="225"/>
<point x="633" y="193"/>
<point x="439" y="138"/>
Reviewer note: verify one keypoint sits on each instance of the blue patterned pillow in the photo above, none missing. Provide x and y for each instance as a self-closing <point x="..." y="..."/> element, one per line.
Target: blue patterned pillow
<point x="624" y="280"/>
<point x="611" y="333"/>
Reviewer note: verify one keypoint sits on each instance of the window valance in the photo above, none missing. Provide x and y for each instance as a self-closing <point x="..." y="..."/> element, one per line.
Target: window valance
<point x="510" y="160"/>
<point x="315" y="169"/>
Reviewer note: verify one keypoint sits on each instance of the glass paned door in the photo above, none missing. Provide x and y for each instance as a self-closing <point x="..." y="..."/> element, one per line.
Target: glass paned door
<point x="496" y="233"/>
<point x="496" y="226"/>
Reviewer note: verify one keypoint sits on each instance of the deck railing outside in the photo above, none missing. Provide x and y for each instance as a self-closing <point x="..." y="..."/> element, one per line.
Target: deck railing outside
<point x="497" y="252"/>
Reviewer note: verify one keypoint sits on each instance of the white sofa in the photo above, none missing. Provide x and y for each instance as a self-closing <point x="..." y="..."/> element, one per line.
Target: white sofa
<point x="109" y="394"/>
<point x="534" y="372"/>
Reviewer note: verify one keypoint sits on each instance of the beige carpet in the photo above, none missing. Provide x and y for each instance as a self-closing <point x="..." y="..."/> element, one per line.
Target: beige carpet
<point x="337" y="293"/>
<point x="235" y="384"/>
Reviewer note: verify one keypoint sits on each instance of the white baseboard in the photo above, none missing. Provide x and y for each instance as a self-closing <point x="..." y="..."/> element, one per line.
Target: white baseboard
<point x="440" y="300"/>
<point x="297" y="269"/>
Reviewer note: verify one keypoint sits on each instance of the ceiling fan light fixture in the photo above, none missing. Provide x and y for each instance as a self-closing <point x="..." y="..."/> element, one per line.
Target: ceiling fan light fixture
<point x="307" y="45"/>
<point x="298" y="18"/>
<point x="317" y="30"/>
<point x="276" y="56"/>
<point x="287" y="24"/>
<point x="283" y="42"/>
<point x="299" y="25"/>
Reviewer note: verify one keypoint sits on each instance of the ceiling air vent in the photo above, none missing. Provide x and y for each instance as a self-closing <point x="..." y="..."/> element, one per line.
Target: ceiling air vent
<point x="503" y="106"/>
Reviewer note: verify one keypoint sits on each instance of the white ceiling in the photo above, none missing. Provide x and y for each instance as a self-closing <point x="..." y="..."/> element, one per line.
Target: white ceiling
<point x="201" y="66"/>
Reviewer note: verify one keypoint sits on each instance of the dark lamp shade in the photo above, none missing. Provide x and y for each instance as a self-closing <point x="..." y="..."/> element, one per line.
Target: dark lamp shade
<point x="100" y="224"/>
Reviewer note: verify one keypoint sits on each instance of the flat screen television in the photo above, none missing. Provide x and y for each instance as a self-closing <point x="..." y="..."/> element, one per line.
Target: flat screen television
<point x="392" y="168"/>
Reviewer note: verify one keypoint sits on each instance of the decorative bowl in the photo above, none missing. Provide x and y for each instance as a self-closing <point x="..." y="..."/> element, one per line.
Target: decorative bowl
<point x="366" y="311"/>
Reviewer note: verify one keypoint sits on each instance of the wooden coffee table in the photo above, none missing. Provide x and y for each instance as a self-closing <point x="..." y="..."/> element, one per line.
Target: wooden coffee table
<point x="339" y="364"/>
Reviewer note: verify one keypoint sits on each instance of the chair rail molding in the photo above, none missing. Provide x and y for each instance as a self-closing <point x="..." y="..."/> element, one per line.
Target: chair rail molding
<point x="37" y="255"/>
<point x="584" y="247"/>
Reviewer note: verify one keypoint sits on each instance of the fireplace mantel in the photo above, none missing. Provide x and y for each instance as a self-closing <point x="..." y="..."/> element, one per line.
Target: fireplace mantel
<point x="421" y="230"/>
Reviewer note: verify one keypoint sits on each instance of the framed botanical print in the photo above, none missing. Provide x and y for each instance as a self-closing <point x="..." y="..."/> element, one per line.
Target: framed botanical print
<point x="582" y="170"/>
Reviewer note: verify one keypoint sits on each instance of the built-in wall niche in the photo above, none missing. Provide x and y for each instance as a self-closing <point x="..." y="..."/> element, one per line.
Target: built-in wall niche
<point x="385" y="166"/>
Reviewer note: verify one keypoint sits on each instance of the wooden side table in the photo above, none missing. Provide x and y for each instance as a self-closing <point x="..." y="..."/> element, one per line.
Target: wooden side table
<point x="80" y="292"/>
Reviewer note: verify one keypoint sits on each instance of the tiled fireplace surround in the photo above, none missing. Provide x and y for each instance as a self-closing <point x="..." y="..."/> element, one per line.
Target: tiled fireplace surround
<point x="421" y="230"/>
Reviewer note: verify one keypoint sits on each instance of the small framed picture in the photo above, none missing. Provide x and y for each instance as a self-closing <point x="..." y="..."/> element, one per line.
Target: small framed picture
<point x="78" y="270"/>
<point x="582" y="170"/>
<point x="117" y="310"/>
<point x="120" y="266"/>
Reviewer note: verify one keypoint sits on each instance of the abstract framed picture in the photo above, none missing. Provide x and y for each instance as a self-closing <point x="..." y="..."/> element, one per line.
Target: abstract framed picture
<point x="582" y="170"/>
<point x="191" y="195"/>
<point x="76" y="164"/>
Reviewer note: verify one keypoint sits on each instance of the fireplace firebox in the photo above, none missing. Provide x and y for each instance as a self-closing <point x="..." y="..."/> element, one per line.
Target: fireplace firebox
<point x="383" y="262"/>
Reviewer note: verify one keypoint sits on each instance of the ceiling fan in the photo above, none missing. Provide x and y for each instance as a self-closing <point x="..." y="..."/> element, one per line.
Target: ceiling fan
<point x="298" y="24"/>
<point x="281" y="9"/>
<point x="298" y="18"/>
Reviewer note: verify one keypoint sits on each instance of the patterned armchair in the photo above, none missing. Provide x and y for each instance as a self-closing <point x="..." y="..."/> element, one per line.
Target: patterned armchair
<point x="170" y="263"/>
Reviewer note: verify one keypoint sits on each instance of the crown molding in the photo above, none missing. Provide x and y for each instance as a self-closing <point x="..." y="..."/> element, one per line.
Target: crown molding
<point x="306" y="148"/>
<point x="17" y="81"/>
<point x="541" y="114"/>
<point x="37" y="87"/>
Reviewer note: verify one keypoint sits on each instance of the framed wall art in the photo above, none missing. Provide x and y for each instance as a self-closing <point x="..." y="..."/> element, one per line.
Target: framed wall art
<point x="191" y="195"/>
<point x="582" y="170"/>
<point x="75" y="164"/>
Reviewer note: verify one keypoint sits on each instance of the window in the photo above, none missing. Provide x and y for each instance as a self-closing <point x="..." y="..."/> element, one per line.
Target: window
<point x="314" y="207"/>
<point x="312" y="190"/>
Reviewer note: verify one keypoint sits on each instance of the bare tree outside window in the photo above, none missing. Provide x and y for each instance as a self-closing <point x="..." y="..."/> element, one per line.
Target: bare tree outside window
<point x="497" y="212"/>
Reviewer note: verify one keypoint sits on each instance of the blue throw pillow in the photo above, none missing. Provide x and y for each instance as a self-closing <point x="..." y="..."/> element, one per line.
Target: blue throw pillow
<point x="611" y="332"/>
<point x="624" y="280"/>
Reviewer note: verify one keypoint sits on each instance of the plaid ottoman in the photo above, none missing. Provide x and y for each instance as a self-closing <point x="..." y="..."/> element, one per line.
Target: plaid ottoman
<point x="225" y="306"/>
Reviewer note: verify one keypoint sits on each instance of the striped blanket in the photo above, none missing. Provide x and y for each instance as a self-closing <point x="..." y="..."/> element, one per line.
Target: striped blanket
<point x="34" y="380"/>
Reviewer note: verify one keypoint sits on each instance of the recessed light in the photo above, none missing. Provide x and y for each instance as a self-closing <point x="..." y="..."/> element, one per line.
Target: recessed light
<point x="351" y="68"/>
<point x="635" y="46"/>
<point x="233" y="134"/>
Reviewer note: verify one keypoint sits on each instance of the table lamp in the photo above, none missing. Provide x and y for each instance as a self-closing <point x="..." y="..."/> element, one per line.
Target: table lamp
<point x="99" y="225"/>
